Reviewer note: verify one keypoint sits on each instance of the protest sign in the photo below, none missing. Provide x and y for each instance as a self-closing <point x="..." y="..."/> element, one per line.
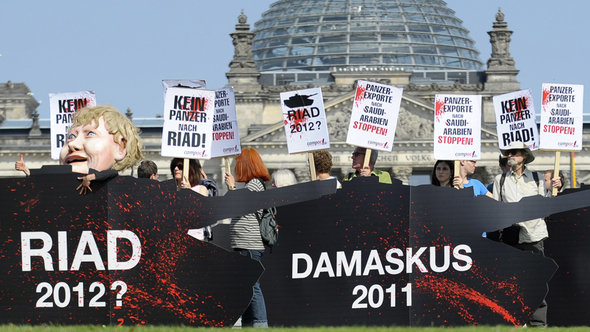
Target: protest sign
<point x="188" y="119"/>
<point x="561" y="117"/>
<point x="515" y="119"/>
<point x="457" y="127"/>
<point x="62" y="108"/>
<point x="304" y="119"/>
<point x="226" y="138"/>
<point x="374" y="116"/>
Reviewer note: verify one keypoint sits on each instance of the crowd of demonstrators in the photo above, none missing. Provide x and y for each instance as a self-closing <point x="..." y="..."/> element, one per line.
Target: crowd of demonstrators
<point x="461" y="180"/>
<point x="442" y="173"/>
<point x="245" y="231"/>
<point x="322" y="160"/>
<point x="358" y="159"/>
<point x="147" y="169"/>
<point x="102" y="141"/>
<point x="282" y="178"/>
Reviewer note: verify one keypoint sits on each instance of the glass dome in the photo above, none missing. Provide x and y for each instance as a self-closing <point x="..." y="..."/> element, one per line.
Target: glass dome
<point x="324" y="35"/>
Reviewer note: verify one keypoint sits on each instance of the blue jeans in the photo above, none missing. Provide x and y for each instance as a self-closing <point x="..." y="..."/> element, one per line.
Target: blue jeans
<point x="255" y="314"/>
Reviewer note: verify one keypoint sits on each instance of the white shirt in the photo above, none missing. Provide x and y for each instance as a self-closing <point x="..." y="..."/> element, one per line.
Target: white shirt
<point x="514" y="189"/>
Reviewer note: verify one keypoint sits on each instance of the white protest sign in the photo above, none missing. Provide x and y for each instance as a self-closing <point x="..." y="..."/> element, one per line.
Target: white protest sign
<point x="188" y="123"/>
<point x="226" y="138"/>
<point x="62" y="108"/>
<point x="304" y="119"/>
<point x="457" y="127"/>
<point x="515" y="119"/>
<point x="374" y="116"/>
<point x="561" y="117"/>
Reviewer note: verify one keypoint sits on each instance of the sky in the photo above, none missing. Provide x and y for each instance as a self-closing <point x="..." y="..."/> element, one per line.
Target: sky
<point x="123" y="49"/>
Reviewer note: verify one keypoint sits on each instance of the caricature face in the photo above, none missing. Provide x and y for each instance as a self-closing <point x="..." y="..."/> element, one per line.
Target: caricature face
<point x="91" y="146"/>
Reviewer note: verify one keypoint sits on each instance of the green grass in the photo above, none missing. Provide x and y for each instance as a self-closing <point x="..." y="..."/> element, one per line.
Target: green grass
<point x="98" y="328"/>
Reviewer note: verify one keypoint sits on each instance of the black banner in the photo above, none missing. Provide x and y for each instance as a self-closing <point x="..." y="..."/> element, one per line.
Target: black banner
<point x="568" y="245"/>
<point x="378" y="254"/>
<point x="121" y="254"/>
<point x="369" y="254"/>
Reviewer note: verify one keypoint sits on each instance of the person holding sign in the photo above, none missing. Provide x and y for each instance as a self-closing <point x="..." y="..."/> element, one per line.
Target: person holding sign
<point x="100" y="142"/>
<point x="245" y="231"/>
<point x="442" y="173"/>
<point x="193" y="181"/>
<point x="549" y="181"/>
<point x="358" y="157"/>
<point x="467" y="167"/>
<point x="527" y="235"/>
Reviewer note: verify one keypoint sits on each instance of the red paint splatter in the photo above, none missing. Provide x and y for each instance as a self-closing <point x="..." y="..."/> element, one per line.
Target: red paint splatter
<point x="545" y="100"/>
<point x="439" y="109"/>
<point x="360" y="93"/>
<point x="28" y="204"/>
<point x="454" y="292"/>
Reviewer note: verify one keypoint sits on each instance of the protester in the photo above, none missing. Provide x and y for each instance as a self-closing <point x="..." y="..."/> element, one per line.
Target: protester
<point x="442" y="173"/>
<point x="283" y="178"/>
<point x="245" y="230"/>
<point x="358" y="158"/>
<point x="528" y="235"/>
<point x="193" y="181"/>
<point x="147" y="169"/>
<point x="322" y="160"/>
<point x="100" y="142"/>
<point x="467" y="167"/>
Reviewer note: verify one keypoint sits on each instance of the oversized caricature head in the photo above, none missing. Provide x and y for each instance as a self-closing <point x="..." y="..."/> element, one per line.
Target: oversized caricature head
<point x="101" y="138"/>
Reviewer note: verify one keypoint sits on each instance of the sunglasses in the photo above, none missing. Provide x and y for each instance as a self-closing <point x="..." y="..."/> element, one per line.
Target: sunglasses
<point x="179" y="166"/>
<point x="356" y="154"/>
<point x="514" y="152"/>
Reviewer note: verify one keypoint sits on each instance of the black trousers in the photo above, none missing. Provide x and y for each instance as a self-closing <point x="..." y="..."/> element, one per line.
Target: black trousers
<point x="539" y="317"/>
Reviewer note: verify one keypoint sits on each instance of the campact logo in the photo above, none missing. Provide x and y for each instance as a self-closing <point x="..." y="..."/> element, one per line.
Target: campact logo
<point x="321" y="142"/>
<point x="566" y="144"/>
<point x="377" y="144"/>
<point x="195" y="153"/>
<point x="233" y="149"/>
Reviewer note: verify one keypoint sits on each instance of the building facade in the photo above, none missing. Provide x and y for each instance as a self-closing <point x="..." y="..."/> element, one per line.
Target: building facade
<point x="419" y="46"/>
